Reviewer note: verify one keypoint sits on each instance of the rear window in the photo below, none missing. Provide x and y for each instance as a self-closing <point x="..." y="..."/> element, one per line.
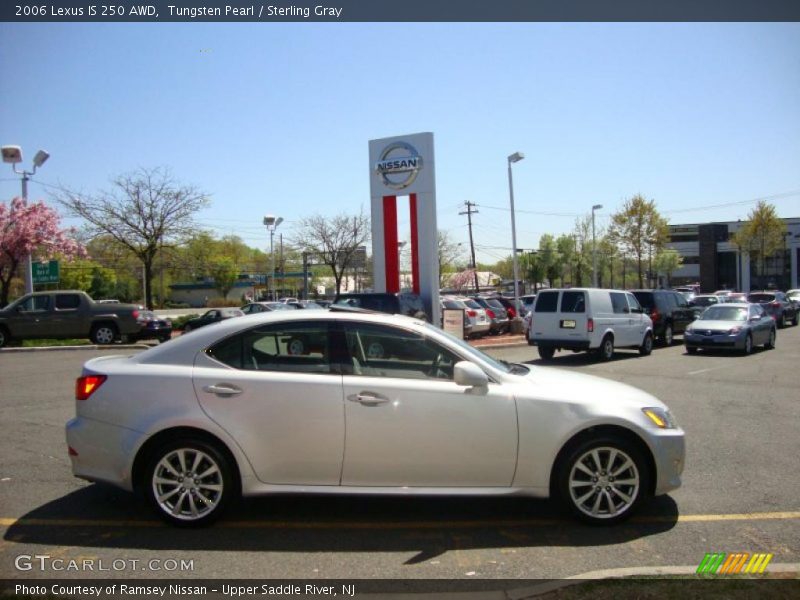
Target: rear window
<point x="546" y="302"/>
<point x="573" y="302"/>
<point x="471" y="303"/>
<point x="646" y="299"/>
<point x="761" y="297"/>
<point x="67" y="301"/>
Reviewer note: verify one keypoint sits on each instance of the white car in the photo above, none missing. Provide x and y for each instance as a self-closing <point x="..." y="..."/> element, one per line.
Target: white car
<point x="480" y="321"/>
<point x="260" y="405"/>
<point x="590" y="319"/>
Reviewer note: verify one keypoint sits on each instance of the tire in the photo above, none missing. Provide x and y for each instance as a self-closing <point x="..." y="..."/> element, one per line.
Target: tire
<point x="691" y="350"/>
<point x="375" y="350"/>
<point x="748" y="344"/>
<point x="770" y="343"/>
<point x="164" y="338"/>
<point x="606" y="350"/>
<point x="782" y="322"/>
<point x="604" y="480"/>
<point x="103" y="334"/>
<point x="174" y="489"/>
<point x="794" y="321"/>
<point x="647" y="345"/>
<point x="4" y="337"/>
<point x="187" y="328"/>
<point x="668" y="336"/>
<point x="296" y="347"/>
<point x="546" y="352"/>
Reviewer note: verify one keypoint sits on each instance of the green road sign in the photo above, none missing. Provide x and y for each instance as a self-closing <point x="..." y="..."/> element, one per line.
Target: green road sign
<point x="45" y="272"/>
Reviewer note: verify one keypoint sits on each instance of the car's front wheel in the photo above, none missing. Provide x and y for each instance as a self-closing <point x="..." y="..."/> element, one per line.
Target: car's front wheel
<point x="4" y="337"/>
<point x="647" y="345"/>
<point x="604" y="480"/>
<point x="606" y="349"/>
<point x="748" y="344"/>
<point x="189" y="482"/>
<point x="771" y="340"/>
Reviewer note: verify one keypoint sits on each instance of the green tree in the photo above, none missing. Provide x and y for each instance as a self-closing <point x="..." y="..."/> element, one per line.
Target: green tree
<point x="566" y="253"/>
<point x="761" y="236"/>
<point x="550" y="258"/>
<point x="668" y="261"/>
<point x="450" y="254"/>
<point x="639" y="230"/>
<point x="225" y="274"/>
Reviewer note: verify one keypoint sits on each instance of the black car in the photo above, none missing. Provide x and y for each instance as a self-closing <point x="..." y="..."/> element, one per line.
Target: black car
<point x="258" y="307"/>
<point x="501" y="323"/>
<point x="153" y="327"/>
<point x="215" y="315"/>
<point x="776" y="305"/>
<point x="393" y="304"/>
<point x="508" y="304"/>
<point x="669" y="311"/>
<point x="701" y="302"/>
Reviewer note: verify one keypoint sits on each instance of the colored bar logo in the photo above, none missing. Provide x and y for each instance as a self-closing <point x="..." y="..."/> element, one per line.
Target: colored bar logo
<point x="721" y="563"/>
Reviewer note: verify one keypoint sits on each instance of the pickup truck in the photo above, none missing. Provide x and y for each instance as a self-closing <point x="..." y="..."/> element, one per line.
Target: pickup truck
<point x="67" y="314"/>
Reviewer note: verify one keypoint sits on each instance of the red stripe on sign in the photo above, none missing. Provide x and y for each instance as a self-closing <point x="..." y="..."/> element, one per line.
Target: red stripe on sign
<point x="414" y="244"/>
<point x="390" y="249"/>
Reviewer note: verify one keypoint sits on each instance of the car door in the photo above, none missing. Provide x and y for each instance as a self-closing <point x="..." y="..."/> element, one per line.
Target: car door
<point x="279" y="399"/>
<point x="409" y="424"/>
<point x="31" y="318"/>
<point x="681" y="313"/>
<point x="68" y="319"/>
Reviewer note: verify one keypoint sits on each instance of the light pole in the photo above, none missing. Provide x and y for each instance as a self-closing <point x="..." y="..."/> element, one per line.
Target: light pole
<point x="272" y="222"/>
<point x="516" y="157"/>
<point x="13" y="155"/>
<point x="594" y="247"/>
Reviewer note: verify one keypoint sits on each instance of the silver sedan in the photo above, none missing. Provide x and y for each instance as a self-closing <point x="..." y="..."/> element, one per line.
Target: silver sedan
<point x="261" y="404"/>
<point x="740" y="326"/>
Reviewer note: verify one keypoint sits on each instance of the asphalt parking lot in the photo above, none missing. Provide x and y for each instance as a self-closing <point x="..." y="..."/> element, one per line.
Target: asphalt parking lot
<point x="740" y="492"/>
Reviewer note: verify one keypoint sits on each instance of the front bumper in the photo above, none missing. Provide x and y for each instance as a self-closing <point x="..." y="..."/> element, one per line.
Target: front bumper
<point x="669" y="454"/>
<point x="719" y="341"/>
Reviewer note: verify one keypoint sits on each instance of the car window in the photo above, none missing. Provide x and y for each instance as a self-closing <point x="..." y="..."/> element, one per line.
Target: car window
<point x="382" y="351"/>
<point x="761" y="297"/>
<point x="645" y="299"/>
<point x="573" y="302"/>
<point x="284" y="347"/>
<point x="471" y="303"/>
<point x="618" y="303"/>
<point x="546" y="302"/>
<point x="35" y="303"/>
<point x="67" y="301"/>
<point x="633" y="302"/>
<point x="724" y="313"/>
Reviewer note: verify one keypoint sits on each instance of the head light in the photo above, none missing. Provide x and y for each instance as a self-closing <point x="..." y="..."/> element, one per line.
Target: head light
<point x="661" y="418"/>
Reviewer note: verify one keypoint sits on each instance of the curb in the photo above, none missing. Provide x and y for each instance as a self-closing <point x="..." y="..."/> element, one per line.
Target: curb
<point x="87" y="347"/>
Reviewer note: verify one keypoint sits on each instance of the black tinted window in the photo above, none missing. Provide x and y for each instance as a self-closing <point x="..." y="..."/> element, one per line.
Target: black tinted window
<point x="546" y="302"/>
<point x="35" y="303"/>
<point x="573" y="302"/>
<point x="645" y="299"/>
<point x="761" y="297"/>
<point x="67" y="301"/>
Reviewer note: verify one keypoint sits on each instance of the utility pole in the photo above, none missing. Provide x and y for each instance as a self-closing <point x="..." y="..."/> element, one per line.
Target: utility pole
<point x="469" y="212"/>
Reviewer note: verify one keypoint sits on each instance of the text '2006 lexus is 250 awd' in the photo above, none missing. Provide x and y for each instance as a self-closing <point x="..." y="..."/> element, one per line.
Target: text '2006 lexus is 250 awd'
<point x="260" y="405"/>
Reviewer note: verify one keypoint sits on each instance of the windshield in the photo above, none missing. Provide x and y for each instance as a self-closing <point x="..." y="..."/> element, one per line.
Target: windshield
<point x="725" y="313"/>
<point x="500" y="365"/>
<point x="705" y="300"/>
<point x="471" y="303"/>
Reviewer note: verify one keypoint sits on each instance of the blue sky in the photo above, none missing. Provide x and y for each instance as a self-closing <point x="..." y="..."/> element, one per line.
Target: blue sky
<point x="275" y="118"/>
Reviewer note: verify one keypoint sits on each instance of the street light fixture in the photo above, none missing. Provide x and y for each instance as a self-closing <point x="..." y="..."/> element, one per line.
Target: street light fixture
<point x="272" y="222"/>
<point x="516" y="157"/>
<point x="13" y="156"/>
<point x="594" y="247"/>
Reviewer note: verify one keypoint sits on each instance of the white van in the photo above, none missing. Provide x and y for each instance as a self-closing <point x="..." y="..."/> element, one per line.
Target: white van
<point x="589" y="319"/>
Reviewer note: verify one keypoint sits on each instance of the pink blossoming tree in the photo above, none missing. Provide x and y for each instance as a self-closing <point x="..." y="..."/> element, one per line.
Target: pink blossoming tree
<point x="31" y="228"/>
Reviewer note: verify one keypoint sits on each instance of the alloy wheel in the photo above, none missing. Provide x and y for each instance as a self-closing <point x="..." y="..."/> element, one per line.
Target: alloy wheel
<point x="604" y="483"/>
<point x="188" y="484"/>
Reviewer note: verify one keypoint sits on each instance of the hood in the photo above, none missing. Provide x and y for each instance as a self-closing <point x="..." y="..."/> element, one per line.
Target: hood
<point x="577" y="388"/>
<point x="718" y="325"/>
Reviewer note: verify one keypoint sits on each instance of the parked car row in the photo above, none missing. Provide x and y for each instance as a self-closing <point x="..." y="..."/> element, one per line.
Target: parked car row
<point x="600" y="320"/>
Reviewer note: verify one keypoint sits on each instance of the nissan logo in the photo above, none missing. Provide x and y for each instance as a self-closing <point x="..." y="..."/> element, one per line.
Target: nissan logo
<point x="399" y="165"/>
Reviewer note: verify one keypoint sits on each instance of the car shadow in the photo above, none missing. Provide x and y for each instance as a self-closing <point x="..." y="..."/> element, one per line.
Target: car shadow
<point x="582" y="359"/>
<point x="104" y="517"/>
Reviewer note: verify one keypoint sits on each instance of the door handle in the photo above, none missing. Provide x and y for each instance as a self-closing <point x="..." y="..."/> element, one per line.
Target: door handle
<point x="368" y="399"/>
<point x="222" y="389"/>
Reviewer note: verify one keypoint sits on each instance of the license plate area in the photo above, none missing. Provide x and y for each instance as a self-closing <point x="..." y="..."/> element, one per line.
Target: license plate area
<point x="568" y="324"/>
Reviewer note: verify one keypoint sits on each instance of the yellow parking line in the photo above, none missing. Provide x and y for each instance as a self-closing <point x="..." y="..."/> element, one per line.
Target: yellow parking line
<point x="465" y="524"/>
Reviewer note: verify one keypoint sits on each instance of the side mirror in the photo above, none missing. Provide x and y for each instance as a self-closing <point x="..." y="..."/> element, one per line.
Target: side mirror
<point x="469" y="375"/>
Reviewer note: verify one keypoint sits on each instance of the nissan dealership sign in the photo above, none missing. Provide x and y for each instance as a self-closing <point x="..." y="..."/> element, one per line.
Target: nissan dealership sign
<point x="398" y="165"/>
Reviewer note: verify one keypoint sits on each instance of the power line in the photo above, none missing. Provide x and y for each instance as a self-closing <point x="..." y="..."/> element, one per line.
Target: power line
<point x="469" y="212"/>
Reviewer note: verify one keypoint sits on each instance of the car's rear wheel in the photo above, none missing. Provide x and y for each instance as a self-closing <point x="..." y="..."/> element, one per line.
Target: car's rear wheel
<point x="189" y="482"/>
<point x="104" y="334"/>
<point x="782" y="322"/>
<point x="606" y="349"/>
<point x="4" y="337"/>
<point x="604" y="480"/>
<point x="546" y="352"/>
<point x="647" y="345"/>
<point x="691" y="350"/>
<point x="748" y="344"/>
<point x="771" y="340"/>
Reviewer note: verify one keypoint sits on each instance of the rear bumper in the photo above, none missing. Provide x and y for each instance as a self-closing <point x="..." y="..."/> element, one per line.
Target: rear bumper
<point x="564" y="344"/>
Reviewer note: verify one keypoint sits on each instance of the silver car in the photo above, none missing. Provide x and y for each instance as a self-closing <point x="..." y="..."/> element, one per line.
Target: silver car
<point x="260" y="405"/>
<point x="725" y="326"/>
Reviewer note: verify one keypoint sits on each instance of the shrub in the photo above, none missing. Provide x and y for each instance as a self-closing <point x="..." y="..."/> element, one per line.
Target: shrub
<point x="179" y="322"/>
<point x="220" y="303"/>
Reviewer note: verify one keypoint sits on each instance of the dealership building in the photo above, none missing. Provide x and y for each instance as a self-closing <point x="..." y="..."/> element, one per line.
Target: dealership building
<point x="711" y="259"/>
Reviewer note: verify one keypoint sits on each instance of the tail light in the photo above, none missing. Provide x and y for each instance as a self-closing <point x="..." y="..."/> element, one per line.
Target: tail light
<point x="87" y="385"/>
<point x="775" y="304"/>
<point x="655" y="315"/>
<point x="512" y="313"/>
<point x="590" y="325"/>
<point x="472" y="313"/>
<point x="135" y="314"/>
<point x="490" y="313"/>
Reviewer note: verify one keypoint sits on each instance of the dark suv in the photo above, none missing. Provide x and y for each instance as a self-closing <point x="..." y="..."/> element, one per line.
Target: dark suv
<point x="669" y="311"/>
<point x="393" y="304"/>
<point x="776" y="305"/>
